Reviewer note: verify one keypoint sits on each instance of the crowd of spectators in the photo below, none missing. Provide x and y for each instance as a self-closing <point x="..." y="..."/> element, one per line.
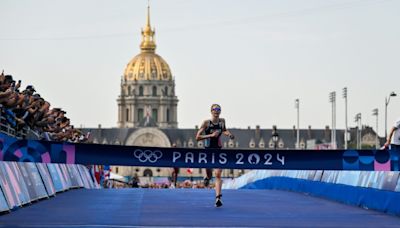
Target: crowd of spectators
<point x="25" y="109"/>
<point x="184" y="184"/>
<point x="112" y="183"/>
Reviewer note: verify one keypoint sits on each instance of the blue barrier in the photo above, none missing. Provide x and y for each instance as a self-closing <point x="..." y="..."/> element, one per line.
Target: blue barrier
<point x="3" y="202"/>
<point x="76" y="180"/>
<point x="65" y="176"/>
<point x="57" y="177"/>
<point x="33" y="181"/>
<point x="13" y="185"/>
<point x="88" y="181"/>
<point x="46" y="178"/>
<point x="381" y="200"/>
<point x="22" y="183"/>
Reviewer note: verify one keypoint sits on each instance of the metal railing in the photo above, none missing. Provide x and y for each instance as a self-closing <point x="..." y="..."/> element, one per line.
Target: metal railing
<point x="7" y="129"/>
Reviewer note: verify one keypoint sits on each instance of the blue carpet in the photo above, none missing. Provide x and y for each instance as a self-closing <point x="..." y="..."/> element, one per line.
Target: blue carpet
<point x="376" y="199"/>
<point x="191" y="207"/>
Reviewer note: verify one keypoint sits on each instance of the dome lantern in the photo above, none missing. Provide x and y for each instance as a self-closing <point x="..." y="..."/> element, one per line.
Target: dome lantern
<point x="148" y="44"/>
<point x="147" y="65"/>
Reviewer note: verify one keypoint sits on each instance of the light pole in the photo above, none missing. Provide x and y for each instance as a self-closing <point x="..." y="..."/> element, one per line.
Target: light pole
<point x="345" y="115"/>
<point x="375" y="113"/>
<point x="387" y="100"/>
<point x="297" y="106"/>
<point x="357" y="119"/>
<point x="332" y="99"/>
<point x="275" y="137"/>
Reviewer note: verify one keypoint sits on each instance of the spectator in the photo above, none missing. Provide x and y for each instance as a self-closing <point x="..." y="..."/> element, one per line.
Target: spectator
<point x="27" y="110"/>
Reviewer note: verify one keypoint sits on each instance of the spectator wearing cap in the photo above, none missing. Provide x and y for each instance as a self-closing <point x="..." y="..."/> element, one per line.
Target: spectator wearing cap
<point x="29" y="109"/>
<point x="29" y="89"/>
<point x="27" y="93"/>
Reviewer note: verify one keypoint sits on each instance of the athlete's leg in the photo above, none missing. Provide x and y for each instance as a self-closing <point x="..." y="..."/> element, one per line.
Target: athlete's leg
<point x="208" y="177"/>
<point x="218" y="186"/>
<point x="218" y="182"/>
<point x="175" y="175"/>
<point x="209" y="173"/>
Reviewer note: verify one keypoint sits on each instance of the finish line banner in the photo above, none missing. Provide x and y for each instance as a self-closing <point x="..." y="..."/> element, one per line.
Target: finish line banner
<point x="12" y="149"/>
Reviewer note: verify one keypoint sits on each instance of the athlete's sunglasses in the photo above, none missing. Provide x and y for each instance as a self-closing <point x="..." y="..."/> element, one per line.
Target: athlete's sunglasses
<point x="216" y="109"/>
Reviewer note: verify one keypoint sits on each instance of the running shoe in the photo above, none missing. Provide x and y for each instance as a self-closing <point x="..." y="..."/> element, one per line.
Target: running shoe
<point x="218" y="201"/>
<point x="206" y="181"/>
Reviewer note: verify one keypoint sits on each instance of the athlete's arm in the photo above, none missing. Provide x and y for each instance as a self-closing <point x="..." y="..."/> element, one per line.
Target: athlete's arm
<point x="200" y="136"/>
<point x="225" y="131"/>
<point x="229" y="134"/>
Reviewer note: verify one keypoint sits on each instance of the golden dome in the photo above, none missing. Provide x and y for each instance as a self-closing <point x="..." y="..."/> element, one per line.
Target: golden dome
<point x="147" y="65"/>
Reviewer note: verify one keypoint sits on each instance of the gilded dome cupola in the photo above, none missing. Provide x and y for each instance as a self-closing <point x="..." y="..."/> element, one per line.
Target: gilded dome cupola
<point x="147" y="65"/>
<point x="147" y="97"/>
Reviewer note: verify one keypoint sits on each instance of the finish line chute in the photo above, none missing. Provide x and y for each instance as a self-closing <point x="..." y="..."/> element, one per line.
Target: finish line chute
<point x="12" y="149"/>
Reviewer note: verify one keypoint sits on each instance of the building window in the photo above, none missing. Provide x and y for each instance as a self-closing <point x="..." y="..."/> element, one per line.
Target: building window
<point x="127" y="114"/>
<point x="166" y="91"/>
<point x="231" y="143"/>
<point x="167" y="115"/>
<point x="140" y="114"/>
<point x="271" y="144"/>
<point x="147" y="173"/>
<point x="140" y="90"/>
<point x="129" y="90"/>
<point x="190" y="143"/>
<point x="154" y="91"/>
<point x="281" y="144"/>
<point x="116" y="169"/>
<point x="252" y="144"/>
<point x="154" y="114"/>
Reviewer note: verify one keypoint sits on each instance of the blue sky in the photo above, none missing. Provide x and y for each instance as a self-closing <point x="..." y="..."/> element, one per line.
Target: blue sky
<point x="253" y="57"/>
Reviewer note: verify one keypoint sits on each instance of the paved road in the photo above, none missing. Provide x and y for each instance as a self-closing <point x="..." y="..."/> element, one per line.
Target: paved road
<point x="191" y="207"/>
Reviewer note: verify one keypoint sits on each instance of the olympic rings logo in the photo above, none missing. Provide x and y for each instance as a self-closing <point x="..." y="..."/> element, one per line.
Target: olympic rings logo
<point x="147" y="155"/>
